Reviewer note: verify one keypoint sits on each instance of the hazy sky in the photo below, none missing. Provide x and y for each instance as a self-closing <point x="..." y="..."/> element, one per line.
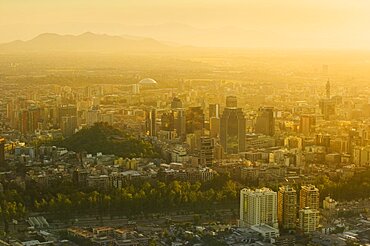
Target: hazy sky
<point x="275" y="23"/>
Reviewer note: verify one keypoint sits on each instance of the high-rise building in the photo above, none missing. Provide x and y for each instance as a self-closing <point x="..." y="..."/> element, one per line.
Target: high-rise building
<point x="2" y="152"/>
<point x="323" y="140"/>
<point x="135" y="89"/>
<point x="308" y="220"/>
<point x="23" y="121"/>
<point x="68" y="125"/>
<point x="361" y="155"/>
<point x="66" y="110"/>
<point x="10" y="113"/>
<point x="214" y="127"/>
<point x="167" y="121"/>
<point x="232" y="130"/>
<point x="287" y="207"/>
<point x="327" y="88"/>
<point x="231" y="102"/>
<point x="258" y="207"/>
<point x="29" y="119"/>
<point x="307" y="124"/>
<point x="214" y="111"/>
<point x="179" y="122"/>
<point x="309" y="196"/>
<point x="150" y="122"/>
<point x="327" y="107"/>
<point x="176" y="103"/>
<point x="206" y="152"/>
<point x="194" y="120"/>
<point x="265" y="123"/>
<point x="93" y="116"/>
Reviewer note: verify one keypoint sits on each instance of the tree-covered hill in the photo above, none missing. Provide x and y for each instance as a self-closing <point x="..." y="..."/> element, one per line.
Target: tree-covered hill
<point x="106" y="139"/>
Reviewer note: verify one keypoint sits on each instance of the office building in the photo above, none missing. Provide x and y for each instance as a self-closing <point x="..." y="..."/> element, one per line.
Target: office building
<point x="93" y="117"/>
<point x="214" y="111"/>
<point x="68" y="125"/>
<point x="231" y="102"/>
<point x="176" y="103"/>
<point x="327" y="107"/>
<point x="168" y="121"/>
<point x="232" y="130"/>
<point x="179" y="119"/>
<point x="265" y="122"/>
<point x="214" y="127"/>
<point x="66" y="110"/>
<point x="29" y="120"/>
<point x="194" y="120"/>
<point x="307" y="124"/>
<point x="323" y="140"/>
<point x="206" y="152"/>
<point x="150" y="122"/>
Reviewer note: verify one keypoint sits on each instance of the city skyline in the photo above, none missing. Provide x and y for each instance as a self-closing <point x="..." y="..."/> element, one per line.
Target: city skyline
<point x="178" y="123"/>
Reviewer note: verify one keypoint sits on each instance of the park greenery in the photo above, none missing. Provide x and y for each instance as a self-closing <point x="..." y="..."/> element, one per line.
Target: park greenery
<point x="63" y="199"/>
<point x="106" y="139"/>
<point x="357" y="187"/>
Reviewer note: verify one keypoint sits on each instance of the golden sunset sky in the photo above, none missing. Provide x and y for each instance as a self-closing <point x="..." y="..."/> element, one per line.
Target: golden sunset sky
<point x="215" y="23"/>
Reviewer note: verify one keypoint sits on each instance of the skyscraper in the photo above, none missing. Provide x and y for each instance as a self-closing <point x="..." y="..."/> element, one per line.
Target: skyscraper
<point x="150" y="122"/>
<point x="194" y="120"/>
<point x="231" y="102"/>
<point x="309" y="196"/>
<point x="68" y="125"/>
<point x="287" y="207"/>
<point x="179" y="121"/>
<point x="232" y="130"/>
<point x="214" y="111"/>
<point x="258" y="207"/>
<point x="327" y="107"/>
<point x="307" y="124"/>
<point x="29" y="119"/>
<point x="66" y="110"/>
<point x="214" y="127"/>
<point x="265" y="123"/>
<point x="167" y="121"/>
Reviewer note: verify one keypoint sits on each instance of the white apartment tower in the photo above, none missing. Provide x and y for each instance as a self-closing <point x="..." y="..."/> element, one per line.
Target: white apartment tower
<point x="258" y="207"/>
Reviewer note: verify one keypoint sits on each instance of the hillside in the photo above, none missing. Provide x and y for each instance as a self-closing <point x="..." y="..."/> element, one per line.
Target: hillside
<point x="86" y="42"/>
<point x="108" y="140"/>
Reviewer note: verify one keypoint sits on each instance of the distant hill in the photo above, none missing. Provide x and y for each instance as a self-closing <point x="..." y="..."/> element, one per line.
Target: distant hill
<point x="86" y="42"/>
<point x="106" y="139"/>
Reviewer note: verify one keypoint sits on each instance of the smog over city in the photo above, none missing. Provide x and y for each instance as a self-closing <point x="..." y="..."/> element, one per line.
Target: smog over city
<point x="209" y="122"/>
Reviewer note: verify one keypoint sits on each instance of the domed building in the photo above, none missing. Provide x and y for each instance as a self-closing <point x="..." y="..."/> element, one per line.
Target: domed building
<point x="147" y="83"/>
